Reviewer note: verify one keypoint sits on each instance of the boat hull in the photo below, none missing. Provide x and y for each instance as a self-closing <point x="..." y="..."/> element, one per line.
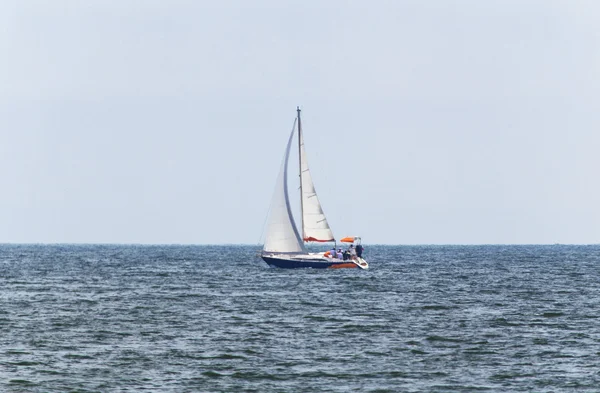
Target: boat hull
<point x="290" y="263"/>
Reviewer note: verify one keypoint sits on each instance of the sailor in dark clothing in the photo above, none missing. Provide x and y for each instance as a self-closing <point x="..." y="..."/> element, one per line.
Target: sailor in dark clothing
<point x="359" y="250"/>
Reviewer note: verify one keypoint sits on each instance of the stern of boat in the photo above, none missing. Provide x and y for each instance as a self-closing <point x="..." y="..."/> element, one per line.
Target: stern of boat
<point x="361" y="263"/>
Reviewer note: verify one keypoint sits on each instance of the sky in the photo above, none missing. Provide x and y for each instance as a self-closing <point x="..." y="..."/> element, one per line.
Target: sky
<point x="425" y="122"/>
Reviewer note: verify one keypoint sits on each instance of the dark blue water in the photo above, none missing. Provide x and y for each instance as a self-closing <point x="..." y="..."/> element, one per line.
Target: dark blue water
<point x="217" y="319"/>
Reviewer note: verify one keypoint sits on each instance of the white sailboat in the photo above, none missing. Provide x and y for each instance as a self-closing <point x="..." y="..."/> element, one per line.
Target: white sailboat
<point x="284" y="246"/>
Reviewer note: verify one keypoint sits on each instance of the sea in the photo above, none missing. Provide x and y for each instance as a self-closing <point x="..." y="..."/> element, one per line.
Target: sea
<point x="172" y="318"/>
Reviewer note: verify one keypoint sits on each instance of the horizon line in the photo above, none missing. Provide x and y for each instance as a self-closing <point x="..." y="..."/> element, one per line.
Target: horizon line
<point x="260" y="245"/>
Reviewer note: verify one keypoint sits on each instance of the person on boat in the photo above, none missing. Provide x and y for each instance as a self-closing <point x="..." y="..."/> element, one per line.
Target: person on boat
<point x="332" y="252"/>
<point x="359" y="250"/>
<point x="352" y="251"/>
<point x="339" y="254"/>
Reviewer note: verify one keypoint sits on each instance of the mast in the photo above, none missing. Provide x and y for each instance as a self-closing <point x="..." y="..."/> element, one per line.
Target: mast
<point x="300" y="169"/>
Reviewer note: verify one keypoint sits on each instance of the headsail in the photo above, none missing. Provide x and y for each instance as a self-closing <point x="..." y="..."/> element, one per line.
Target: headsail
<point x="315" y="227"/>
<point x="282" y="235"/>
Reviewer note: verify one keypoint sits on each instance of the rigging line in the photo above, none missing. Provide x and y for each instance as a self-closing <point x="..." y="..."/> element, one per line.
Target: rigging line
<point x="262" y="232"/>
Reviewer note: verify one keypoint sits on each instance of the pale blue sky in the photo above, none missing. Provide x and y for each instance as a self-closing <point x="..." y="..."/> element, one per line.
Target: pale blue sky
<point x="165" y="121"/>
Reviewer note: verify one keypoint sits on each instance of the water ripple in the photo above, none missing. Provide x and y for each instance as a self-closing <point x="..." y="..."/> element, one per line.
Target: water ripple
<point x="213" y="319"/>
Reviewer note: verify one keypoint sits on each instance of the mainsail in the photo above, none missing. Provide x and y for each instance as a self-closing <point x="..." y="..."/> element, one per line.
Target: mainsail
<point x="282" y="235"/>
<point x="315" y="227"/>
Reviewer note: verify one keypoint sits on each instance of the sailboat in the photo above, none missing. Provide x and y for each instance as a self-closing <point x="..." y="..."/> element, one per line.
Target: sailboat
<point x="284" y="247"/>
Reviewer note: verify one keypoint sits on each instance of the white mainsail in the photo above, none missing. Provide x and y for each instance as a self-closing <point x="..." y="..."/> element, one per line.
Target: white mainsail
<point x="314" y="224"/>
<point x="282" y="235"/>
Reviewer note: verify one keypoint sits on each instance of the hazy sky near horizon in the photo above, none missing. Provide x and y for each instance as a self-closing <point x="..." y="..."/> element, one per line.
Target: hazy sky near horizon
<point x="426" y="122"/>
